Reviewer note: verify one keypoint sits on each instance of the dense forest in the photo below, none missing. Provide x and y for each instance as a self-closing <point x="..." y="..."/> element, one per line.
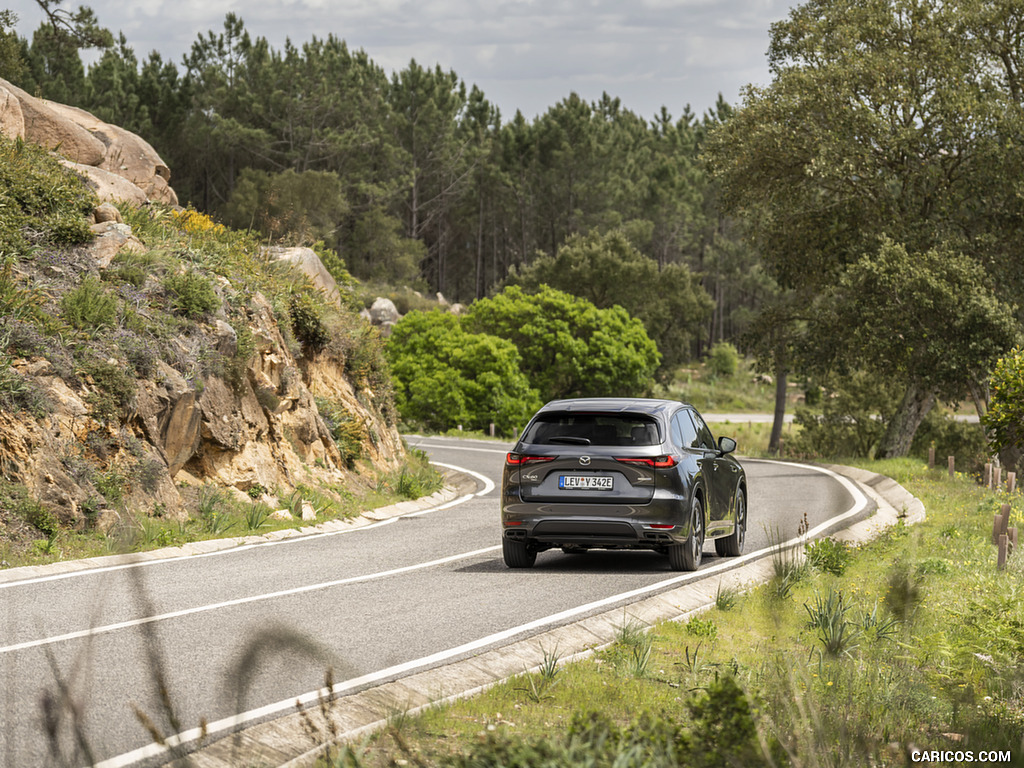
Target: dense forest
<point x="855" y="225"/>
<point x="414" y="178"/>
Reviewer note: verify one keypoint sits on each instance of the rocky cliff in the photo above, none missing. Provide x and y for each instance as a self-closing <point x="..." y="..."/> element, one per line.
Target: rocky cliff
<point x="165" y="353"/>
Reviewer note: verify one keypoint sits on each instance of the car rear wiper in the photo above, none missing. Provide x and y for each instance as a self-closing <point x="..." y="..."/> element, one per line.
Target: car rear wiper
<point x="569" y="439"/>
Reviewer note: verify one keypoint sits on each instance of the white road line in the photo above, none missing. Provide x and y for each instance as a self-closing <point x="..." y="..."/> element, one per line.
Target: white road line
<point x="242" y="601"/>
<point x="227" y="724"/>
<point x="488" y="485"/>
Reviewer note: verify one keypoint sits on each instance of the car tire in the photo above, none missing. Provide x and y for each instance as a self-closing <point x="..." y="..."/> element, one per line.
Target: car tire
<point x="732" y="545"/>
<point x="687" y="556"/>
<point x="517" y="554"/>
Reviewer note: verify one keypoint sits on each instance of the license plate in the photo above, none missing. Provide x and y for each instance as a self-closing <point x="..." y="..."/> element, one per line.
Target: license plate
<point x="585" y="482"/>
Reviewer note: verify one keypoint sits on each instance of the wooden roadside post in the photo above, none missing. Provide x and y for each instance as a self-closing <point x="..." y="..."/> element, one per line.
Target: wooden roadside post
<point x="931" y="457"/>
<point x="1011" y="481"/>
<point x="952" y="463"/>
<point x="1004" y="537"/>
<point x="987" y="477"/>
<point x="1001" y="523"/>
<point x="997" y="482"/>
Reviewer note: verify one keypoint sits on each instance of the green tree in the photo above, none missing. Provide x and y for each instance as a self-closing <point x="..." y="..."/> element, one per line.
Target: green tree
<point x="935" y="326"/>
<point x="1004" y="419"/>
<point x="569" y="347"/>
<point x="606" y="270"/>
<point x="883" y="121"/>
<point x="445" y="376"/>
<point x="12" y="66"/>
<point x="288" y="207"/>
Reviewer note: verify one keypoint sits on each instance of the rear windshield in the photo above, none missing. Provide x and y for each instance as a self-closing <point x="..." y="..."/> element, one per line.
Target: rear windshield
<point x="592" y="429"/>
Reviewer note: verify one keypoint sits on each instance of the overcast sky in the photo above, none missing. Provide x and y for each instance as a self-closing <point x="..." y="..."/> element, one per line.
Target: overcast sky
<point x="523" y="54"/>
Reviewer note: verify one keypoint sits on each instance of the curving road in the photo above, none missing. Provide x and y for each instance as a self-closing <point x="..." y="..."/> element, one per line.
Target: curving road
<point x="372" y="603"/>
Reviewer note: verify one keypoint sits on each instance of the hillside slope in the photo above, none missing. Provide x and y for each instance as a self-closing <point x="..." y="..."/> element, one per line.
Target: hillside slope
<point x="147" y="354"/>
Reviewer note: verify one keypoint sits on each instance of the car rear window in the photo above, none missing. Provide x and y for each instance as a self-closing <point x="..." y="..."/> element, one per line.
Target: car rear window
<point x="592" y="429"/>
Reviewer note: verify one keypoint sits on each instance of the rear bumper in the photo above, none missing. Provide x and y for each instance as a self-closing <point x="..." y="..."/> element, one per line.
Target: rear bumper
<point x="640" y="527"/>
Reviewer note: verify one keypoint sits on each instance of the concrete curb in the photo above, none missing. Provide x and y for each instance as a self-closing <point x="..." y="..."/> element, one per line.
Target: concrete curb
<point x="456" y="485"/>
<point x="286" y="742"/>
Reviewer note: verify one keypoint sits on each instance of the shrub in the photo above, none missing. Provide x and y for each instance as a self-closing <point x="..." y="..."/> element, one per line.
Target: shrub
<point x="308" y="322"/>
<point x="191" y="294"/>
<point x="37" y="193"/>
<point x="348" y="432"/>
<point x="723" y="360"/>
<point x="1005" y="417"/>
<point x="568" y="346"/>
<point x="114" y="388"/>
<point x="828" y="555"/>
<point x="445" y="376"/>
<point x="950" y="437"/>
<point x="89" y="306"/>
<point x="852" y="421"/>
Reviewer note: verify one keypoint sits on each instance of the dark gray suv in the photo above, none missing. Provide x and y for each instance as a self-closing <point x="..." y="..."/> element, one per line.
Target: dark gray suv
<point x="621" y="473"/>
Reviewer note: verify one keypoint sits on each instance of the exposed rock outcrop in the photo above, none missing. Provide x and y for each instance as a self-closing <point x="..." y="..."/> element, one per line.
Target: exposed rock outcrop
<point x="117" y="164"/>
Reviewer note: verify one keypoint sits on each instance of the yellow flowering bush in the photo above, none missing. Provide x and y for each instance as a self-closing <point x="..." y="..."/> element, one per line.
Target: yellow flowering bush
<point x="193" y="222"/>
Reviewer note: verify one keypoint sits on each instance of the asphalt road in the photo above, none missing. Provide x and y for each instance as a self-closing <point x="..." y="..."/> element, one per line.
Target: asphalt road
<point x="248" y="630"/>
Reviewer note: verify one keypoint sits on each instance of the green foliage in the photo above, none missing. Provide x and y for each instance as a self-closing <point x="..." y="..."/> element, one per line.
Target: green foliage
<point x="289" y="207"/>
<point x="837" y="632"/>
<point x="349" y="433"/>
<point x="723" y="360"/>
<point x="1005" y="416"/>
<point x="445" y="376"/>
<point x="828" y="555"/>
<point x="852" y="421"/>
<point x="191" y="293"/>
<point x="39" y="195"/>
<point x="569" y="347"/>
<point x="952" y="437"/>
<point x="89" y="306"/>
<point x="16" y="499"/>
<point x="607" y="270"/>
<point x="874" y="221"/>
<point x="113" y="388"/>
<point x="308" y="322"/>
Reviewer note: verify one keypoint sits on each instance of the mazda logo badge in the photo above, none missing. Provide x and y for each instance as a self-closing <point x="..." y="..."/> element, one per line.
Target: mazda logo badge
<point x="585" y="460"/>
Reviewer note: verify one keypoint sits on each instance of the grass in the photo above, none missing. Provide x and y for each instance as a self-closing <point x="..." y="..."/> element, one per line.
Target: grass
<point x="743" y="392"/>
<point x="916" y="639"/>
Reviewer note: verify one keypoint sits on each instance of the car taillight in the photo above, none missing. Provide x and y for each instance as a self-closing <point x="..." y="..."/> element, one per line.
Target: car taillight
<point x="659" y="462"/>
<point x="517" y="459"/>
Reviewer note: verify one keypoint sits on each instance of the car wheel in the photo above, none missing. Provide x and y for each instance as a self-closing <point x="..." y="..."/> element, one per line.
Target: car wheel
<point x="573" y="549"/>
<point x="687" y="556"/>
<point x="517" y="554"/>
<point x="732" y="545"/>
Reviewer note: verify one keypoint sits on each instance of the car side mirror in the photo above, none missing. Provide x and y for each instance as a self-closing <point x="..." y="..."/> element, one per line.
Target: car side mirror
<point x="726" y="445"/>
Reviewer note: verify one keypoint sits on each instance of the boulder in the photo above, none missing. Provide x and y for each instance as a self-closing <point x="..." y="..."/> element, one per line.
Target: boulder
<point x="309" y="263"/>
<point x="48" y="128"/>
<point x="84" y="140"/>
<point x="12" y="121"/>
<point x="109" y="187"/>
<point x="111" y="239"/>
<point x="107" y="212"/>
<point x="383" y="311"/>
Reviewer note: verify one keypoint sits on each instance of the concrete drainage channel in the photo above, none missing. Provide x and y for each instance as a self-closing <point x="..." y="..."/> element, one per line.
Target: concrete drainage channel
<point x="285" y="742"/>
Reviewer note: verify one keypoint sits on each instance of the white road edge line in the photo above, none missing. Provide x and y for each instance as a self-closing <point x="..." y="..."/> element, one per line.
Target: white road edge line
<point x="488" y="483"/>
<point x="488" y="486"/>
<point x="860" y="501"/>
